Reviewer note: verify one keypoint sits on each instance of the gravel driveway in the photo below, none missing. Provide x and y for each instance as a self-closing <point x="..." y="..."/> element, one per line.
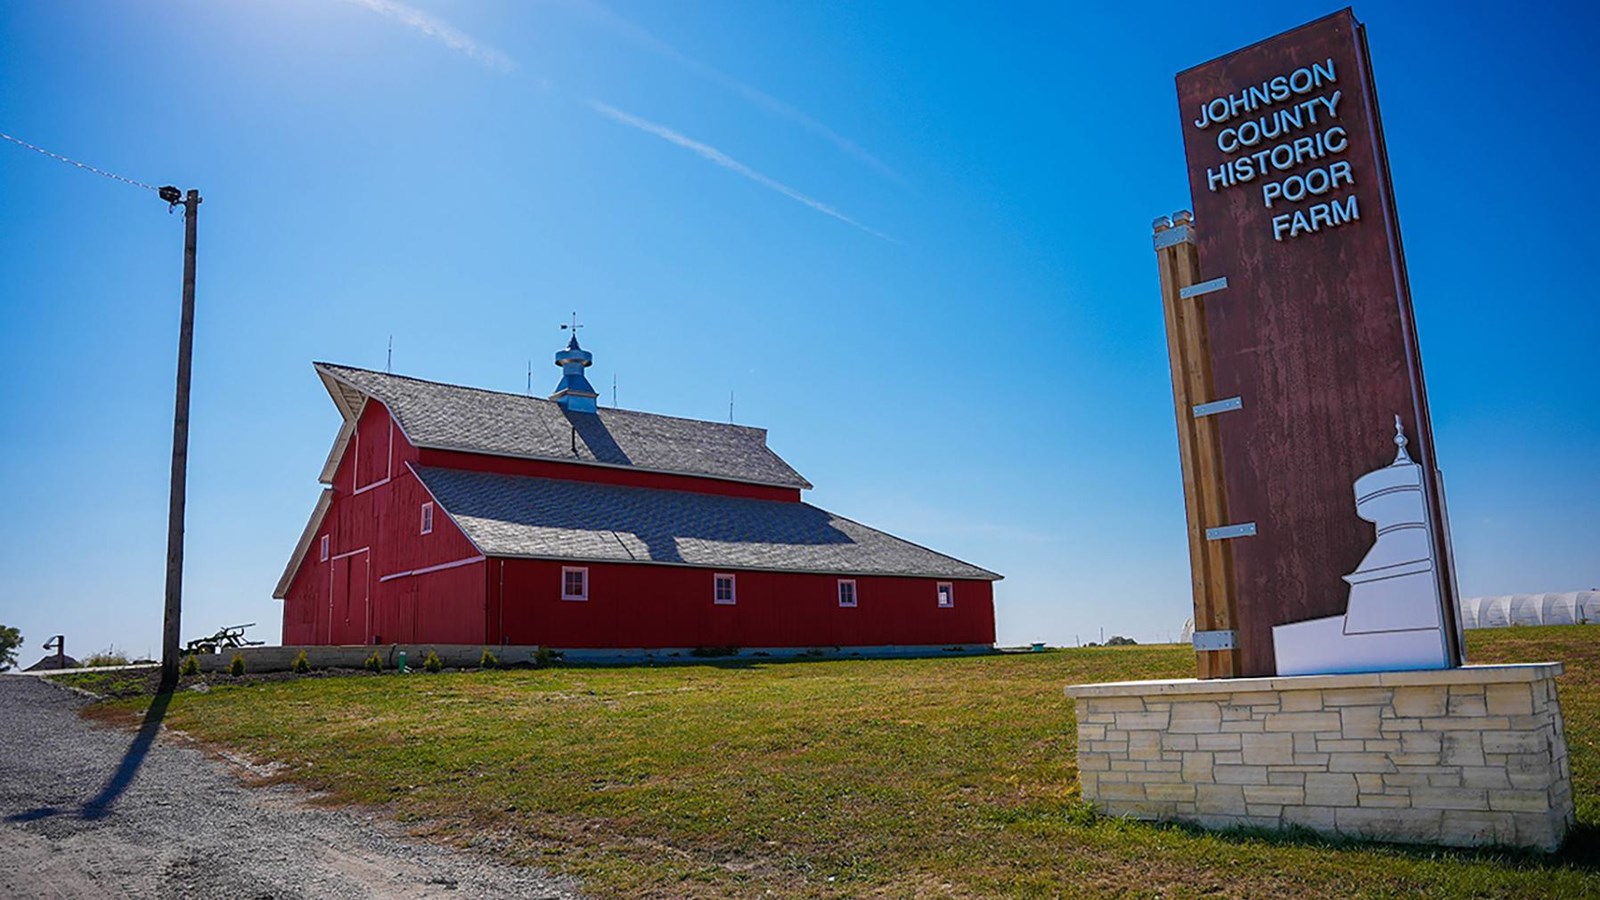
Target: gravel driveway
<point x="90" y="811"/>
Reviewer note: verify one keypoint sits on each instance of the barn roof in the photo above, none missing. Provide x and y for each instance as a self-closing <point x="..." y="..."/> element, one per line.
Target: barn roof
<point x="544" y="518"/>
<point x="452" y="417"/>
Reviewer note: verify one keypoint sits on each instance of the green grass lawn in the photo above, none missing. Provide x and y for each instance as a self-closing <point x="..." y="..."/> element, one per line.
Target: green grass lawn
<point x="899" y="778"/>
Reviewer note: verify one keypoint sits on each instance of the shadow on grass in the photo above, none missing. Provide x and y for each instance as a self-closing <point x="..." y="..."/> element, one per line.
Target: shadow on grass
<point x="1581" y="850"/>
<point x="99" y="806"/>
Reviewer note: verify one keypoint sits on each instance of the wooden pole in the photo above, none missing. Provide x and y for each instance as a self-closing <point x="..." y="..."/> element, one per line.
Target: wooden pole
<point x="180" y="453"/>
<point x="1205" y="504"/>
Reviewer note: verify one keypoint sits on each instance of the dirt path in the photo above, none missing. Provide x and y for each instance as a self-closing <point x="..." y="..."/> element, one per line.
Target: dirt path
<point x="87" y="811"/>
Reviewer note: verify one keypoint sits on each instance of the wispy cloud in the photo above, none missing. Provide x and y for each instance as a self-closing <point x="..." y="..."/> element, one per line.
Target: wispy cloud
<point x="628" y="30"/>
<point x="441" y="31"/>
<point x="712" y="154"/>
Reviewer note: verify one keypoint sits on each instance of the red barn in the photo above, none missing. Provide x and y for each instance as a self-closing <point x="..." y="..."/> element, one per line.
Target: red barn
<point x="455" y="515"/>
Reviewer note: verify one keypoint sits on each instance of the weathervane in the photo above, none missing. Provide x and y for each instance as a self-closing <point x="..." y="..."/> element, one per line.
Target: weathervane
<point x="574" y="326"/>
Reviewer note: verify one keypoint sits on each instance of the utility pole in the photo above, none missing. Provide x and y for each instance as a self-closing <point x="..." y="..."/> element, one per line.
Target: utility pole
<point x="180" y="443"/>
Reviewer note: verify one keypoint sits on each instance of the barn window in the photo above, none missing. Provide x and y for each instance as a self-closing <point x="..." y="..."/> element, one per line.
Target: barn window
<point x="722" y="590"/>
<point x="427" y="518"/>
<point x="947" y="594"/>
<point x="324" y="546"/>
<point x="847" y="592"/>
<point x="574" y="583"/>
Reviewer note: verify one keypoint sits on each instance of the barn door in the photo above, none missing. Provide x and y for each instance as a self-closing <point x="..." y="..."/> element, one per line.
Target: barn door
<point x="350" y="616"/>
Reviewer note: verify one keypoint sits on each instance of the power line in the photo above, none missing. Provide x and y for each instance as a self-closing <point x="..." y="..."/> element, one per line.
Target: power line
<point x="72" y="162"/>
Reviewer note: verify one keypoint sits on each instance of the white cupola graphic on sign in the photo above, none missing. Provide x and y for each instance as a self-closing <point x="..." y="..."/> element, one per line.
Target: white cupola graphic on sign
<point x="1394" y="620"/>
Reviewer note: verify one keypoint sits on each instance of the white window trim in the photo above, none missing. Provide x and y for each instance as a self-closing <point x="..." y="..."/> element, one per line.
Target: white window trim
<point x="855" y="594"/>
<point x="584" y="571"/>
<point x="323" y="545"/>
<point x="733" y="589"/>
<point x="945" y="591"/>
<point x="427" y="518"/>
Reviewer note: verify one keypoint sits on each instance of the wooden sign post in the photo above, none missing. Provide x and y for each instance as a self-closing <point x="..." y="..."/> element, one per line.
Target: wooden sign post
<point x="1217" y="655"/>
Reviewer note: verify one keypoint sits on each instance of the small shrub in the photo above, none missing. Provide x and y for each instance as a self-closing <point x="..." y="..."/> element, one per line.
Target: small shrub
<point x="543" y="658"/>
<point x="301" y="665"/>
<point x="432" y="663"/>
<point x="489" y="660"/>
<point x="236" y="666"/>
<point x="110" y="656"/>
<point x="374" y="662"/>
<point x="189" y="666"/>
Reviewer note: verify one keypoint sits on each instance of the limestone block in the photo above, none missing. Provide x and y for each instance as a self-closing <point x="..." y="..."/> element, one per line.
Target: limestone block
<point x="1303" y="721"/>
<point x="1271" y="811"/>
<point x="1164" y="765"/>
<point x="1093" y="762"/>
<point x="1244" y="726"/>
<point x="1180" y="742"/>
<point x="1165" y="777"/>
<point x="1359" y="721"/>
<point x="1217" y="742"/>
<point x="1126" y="765"/>
<point x="1142" y="721"/>
<point x="1301" y="701"/>
<point x="1268" y="749"/>
<point x="1239" y="774"/>
<point x="1385" y="801"/>
<point x="1224" y="799"/>
<point x="1371" y="782"/>
<point x="1461" y="748"/>
<point x="1112" y="791"/>
<point x="1279" y="776"/>
<point x="1113" y="704"/>
<point x="1449" y="798"/>
<point x="1254" y="698"/>
<point x="1195" y="718"/>
<point x="1144" y="745"/>
<point x="1464" y="704"/>
<point x="1467" y="723"/>
<point x="1515" y="742"/>
<point x="1520" y="801"/>
<point x="1404" y="779"/>
<point x="1176" y="791"/>
<point x="1529" y="770"/>
<point x="1509" y="699"/>
<point x="1421" y="742"/>
<point x="1446" y="779"/>
<point x="1420" y="701"/>
<point x="1479" y="829"/>
<point x="1400" y="726"/>
<point x="1229" y="758"/>
<point x="1416" y="825"/>
<point x="1414" y="760"/>
<point x="1330" y="789"/>
<point x="1381" y="746"/>
<point x="1091" y="732"/>
<point x="1341" y="746"/>
<point x="1342" y="697"/>
<point x="1197" y="767"/>
<point x="1485" y="777"/>
<point x="1281" y="794"/>
<point x="1359" y="762"/>
<point x="1312" y="817"/>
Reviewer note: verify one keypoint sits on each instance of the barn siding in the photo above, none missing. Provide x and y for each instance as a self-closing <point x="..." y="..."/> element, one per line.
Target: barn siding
<point x="346" y="599"/>
<point x="671" y="606"/>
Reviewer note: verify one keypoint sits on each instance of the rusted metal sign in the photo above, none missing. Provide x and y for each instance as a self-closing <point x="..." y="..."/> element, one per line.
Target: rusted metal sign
<point x="1293" y="207"/>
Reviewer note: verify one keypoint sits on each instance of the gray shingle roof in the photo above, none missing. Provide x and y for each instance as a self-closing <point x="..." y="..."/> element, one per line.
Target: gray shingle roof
<point x="452" y="417"/>
<point x="510" y="515"/>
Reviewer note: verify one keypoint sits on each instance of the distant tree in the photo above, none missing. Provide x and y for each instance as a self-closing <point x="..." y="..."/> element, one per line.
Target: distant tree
<point x="1118" y="640"/>
<point x="10" y="640"/>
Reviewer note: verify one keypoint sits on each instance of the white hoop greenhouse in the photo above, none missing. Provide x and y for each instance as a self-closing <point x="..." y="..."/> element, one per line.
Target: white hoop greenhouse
<point x="1570" y="608"/>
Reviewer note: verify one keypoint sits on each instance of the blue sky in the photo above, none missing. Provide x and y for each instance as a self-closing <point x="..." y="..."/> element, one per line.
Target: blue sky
<point x="912" y="239"/>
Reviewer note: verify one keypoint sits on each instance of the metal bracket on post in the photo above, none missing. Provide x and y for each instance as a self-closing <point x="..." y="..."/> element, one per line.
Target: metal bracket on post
<point x="1225" y="532"/>
<point x="1204" y="287"/>
<point x="1217" y="406"/>
<point x="1215" y="640"/>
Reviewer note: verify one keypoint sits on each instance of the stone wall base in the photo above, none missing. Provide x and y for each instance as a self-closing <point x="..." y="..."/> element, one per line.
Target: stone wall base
<point x="1464" y="757"/>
